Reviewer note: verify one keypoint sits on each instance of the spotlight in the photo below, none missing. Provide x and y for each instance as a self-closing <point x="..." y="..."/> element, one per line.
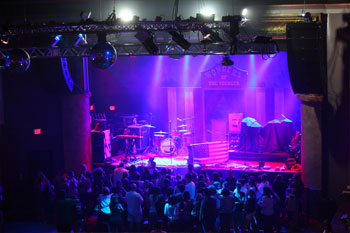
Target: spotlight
<point x="81" y="37"/>
<point x="205" y="18"/>
<point x="207" y="12"/>
<point x="180" y="40"/>
<point x="244" y="12"/>
<point x="126" y="15"/>
<point x="210" y="34"/>
<point x="146" y="38"/>
<point x="17" y="60"/>
<point x="57" y="39"/>
<point x="226" y="61"/>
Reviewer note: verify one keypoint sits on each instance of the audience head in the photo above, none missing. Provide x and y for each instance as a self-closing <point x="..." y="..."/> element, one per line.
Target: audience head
<point x="264" y="178"/>
<point x="225" y="192"/>
<point x="121" y="165"/>
<point x="267" y="191"/>
<point x="188" y="177"/>
<point x="105" y="190"/>
<point x="133" y="187"/>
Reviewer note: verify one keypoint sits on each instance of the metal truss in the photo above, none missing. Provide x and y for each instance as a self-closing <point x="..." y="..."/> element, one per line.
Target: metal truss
<point x="112" y="27"/>
<point x="170" y="49"/>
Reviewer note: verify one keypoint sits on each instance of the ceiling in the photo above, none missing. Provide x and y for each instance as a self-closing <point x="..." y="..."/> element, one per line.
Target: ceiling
<point x="35" y="11"/>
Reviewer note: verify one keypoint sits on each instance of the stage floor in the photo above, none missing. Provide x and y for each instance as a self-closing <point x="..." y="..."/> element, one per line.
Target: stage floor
<point x="180" y="161"/>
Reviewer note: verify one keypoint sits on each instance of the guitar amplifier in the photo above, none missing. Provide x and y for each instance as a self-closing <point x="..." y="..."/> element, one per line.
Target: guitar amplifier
<point x="140" y="130"/>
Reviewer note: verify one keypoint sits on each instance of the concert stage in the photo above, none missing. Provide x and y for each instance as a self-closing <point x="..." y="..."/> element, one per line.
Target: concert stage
<point x="179" y="162"/>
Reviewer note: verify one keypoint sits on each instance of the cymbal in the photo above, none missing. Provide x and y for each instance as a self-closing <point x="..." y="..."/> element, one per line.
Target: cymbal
<point x="181" y="126"/>
<point x="159" y="135"/>
<point x="149" y="126"/>
<point x="182" y="131"/>
<point x="160" y="132"/>
<point x="129" y="136"/>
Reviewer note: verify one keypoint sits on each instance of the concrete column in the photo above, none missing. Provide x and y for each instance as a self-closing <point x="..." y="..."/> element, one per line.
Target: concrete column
<point x="311" y="141"/>
<point x="76" y="131"/>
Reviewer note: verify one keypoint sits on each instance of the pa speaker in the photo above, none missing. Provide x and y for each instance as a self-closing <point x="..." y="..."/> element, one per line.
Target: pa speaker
<point x="306" y="53"/>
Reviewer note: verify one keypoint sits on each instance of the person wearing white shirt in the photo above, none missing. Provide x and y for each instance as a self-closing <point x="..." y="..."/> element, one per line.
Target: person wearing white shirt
<point x="134" y="203"/>
<point x="190" y="186"/>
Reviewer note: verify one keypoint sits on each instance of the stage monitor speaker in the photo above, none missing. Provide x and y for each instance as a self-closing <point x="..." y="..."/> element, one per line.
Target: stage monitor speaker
<point x="306" y="53"/>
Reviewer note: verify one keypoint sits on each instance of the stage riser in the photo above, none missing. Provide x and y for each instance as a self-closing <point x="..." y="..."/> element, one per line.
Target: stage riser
<point x="260" y="157"/>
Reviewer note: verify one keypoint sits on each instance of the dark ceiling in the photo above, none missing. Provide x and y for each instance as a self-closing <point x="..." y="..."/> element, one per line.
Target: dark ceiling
<point x="18" y="11"/>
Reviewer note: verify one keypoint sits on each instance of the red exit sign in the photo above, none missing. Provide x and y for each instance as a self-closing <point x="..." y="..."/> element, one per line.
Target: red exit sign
<point x="37" y="131"/>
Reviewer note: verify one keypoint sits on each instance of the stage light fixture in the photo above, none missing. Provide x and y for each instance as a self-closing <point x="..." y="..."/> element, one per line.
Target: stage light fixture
<point x="57" y="39"/>
<point x="17" y="60"/>
<point x="146" y="38"/>
<point x="81" y="37"/>
<point x="180" y="40"/>
<point x="209" y="34"/>
<point x="126" y="15"/>
<point x="207" y="12"/>
<point x="85" y="15"/>
<point x="244" y="12"/>
<point x="226" y="61"/>
<point x="205" y="18"/>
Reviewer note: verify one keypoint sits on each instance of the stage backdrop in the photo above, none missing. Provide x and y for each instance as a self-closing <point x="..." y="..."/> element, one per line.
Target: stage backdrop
<point x="174" y="88"/>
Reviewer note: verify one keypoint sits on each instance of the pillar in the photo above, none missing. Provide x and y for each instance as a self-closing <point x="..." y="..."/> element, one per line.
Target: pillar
<point x="311" y="140"/>
<point x="76" y="131"/>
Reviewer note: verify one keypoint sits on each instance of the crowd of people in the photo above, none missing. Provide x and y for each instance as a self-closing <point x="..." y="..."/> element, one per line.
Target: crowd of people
<point x="151" y="199"/>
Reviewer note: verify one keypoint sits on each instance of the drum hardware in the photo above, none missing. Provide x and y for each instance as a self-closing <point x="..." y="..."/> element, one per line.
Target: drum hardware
<point x="149" y="126"/>
<point x="161" y="132"/>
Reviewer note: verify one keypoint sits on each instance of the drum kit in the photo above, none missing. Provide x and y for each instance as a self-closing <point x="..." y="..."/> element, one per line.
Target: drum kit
<point x="174" y="141"/>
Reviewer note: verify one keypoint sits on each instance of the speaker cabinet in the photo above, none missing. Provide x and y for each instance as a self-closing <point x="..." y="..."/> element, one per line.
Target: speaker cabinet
<point x="306" y="52"/>
<point x="101" y="146"/>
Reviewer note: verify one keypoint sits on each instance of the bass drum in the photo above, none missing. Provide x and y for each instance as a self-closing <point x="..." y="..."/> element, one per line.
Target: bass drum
<point x="167" y="146"/>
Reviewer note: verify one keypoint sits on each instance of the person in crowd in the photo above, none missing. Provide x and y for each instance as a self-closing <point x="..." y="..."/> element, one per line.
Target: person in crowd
<point x="103" y="209"/>
<point x="250" y="210"/>
<point x="227" y="203"/>
<point x="67" y="212"/>
<point x="171" y="211"/>
<point x="146" y="175"/>
<point x="291" y="205"/>
<point x="118" y="174"/>
<point x="264" y="183"/>
<point x="117" y="210"/>
<point x="190" y="186"/>
<point x="134" y="203"/>
<point x="196" y="210"/>
<point x="133" y="173"/>
<point x="266" y="203"/>
<point x="208" y="212"/>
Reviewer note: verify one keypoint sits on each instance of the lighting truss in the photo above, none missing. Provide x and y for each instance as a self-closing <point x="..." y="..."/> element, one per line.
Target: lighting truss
<point x="93" y="28"/>
<point x="126" y="46"/>
<point x="139" y="50"/>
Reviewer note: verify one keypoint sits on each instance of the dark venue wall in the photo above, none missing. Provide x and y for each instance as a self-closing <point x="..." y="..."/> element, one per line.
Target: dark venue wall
<point x="33" y="100"/>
